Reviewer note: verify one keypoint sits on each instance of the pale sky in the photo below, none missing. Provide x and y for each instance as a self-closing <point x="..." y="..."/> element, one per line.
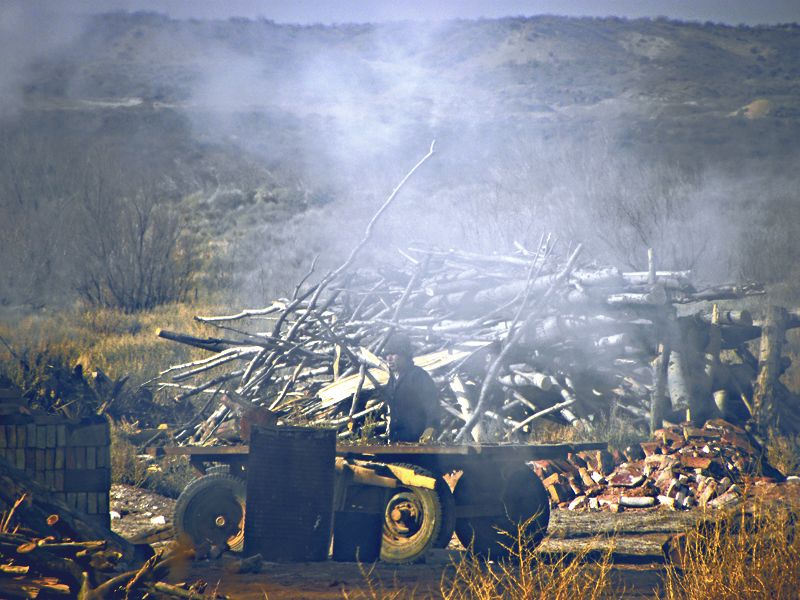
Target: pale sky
<point x="750" y="12"/>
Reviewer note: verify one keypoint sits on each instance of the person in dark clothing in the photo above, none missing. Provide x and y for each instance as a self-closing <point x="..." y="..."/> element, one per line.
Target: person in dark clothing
<point x="413" y="398"/>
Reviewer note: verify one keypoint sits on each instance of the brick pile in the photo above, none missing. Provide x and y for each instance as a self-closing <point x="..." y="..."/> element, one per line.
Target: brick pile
<point x="682" y="467"/>
<point x="72" y="458"/>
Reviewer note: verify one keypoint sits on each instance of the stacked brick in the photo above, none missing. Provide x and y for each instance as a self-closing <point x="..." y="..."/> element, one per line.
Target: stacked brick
<point x="681" y="468"/>
<point x="70" y="458"/>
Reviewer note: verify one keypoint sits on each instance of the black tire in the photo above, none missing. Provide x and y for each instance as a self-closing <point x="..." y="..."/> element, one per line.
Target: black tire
<point x="448" y="504"/>
<point x="218" y="469"/>
<point x="211" y="509"/>
<point x="412" y="522"/>
<point x="524" y="500"/>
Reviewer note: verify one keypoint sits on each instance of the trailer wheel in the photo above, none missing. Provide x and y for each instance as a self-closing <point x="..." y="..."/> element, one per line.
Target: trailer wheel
<point x="412" y="522"/>
<point x="524" y="501"/>
<point x="211" y="509"/>
<point x="218" y="469"/>
<point x="448" y="505"/>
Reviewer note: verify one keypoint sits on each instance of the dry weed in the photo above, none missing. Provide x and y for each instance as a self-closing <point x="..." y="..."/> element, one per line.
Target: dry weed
<point x="751" y="553"/>
<point x="526" y="574"/>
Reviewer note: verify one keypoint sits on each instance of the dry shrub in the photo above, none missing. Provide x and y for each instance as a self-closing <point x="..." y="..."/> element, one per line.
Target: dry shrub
<point x="522" y="575"/>
<point x="375" y="589"/>
<point x="125" y="466"/>
<point x="167" y="477"/>
<point x="526" y="574"/>
<point x="752" y="552"/>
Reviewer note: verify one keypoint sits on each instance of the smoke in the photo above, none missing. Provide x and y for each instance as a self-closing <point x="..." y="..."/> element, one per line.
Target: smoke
<point x="30" y="32"/>
<point x="355" y="106"/>
<point x="539" y="129"/>
<point x="364" y="89"/>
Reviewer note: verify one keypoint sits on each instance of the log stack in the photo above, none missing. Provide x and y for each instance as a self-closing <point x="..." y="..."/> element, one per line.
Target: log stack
<point x="509" y="339"/>
<point x="33" y="567"/>
<point x="49" y="549"/>
<point x="681" y="467"/>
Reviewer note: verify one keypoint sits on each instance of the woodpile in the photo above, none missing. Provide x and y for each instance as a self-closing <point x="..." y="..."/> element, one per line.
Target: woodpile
<point x="509" y="339"/>
<point x="35" y="567"/>
<point x="682" y="467"/>
<point x="48" y="550"/>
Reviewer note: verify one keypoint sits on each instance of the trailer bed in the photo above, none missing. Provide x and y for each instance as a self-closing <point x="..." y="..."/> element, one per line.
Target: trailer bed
<point x="439" y="457"/>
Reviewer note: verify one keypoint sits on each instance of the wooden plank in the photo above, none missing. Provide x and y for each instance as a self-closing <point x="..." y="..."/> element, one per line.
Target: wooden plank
<point x="502" y="451"/>
<point x="211" y="452"/>
<point x="345" y="387"/>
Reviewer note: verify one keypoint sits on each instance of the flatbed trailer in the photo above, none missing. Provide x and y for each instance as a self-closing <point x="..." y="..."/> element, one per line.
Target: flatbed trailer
<point x="425" y="493"/>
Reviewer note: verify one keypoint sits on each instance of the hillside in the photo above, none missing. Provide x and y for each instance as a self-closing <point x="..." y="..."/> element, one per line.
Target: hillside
<point x="273" y="142"/>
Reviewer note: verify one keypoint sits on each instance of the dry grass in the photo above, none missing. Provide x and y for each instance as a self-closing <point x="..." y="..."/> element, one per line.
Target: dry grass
<point x="751" y="553"/>
<point x="617" y="432"/>
<point x="117" y="344"/>
<point x="526" y="574"/>
<point x="112" y="341"/>
<point x="522" y="575"/>
<point x="125" y="467"/>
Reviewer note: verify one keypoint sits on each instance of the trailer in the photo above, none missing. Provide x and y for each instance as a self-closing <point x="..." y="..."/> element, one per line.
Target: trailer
<point x="424" y="492"/>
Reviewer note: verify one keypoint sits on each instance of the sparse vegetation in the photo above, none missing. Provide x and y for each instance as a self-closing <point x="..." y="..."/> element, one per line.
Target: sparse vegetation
<point x="125" y="467"/>
<point x="523" y="575"/>
<point x="529" y="574"/>
<point x="618" y="432"/>
<point x="749" y="553"/>
<point x="106" y="339"/>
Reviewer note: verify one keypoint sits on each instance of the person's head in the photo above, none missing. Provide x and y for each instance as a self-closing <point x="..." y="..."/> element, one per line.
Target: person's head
<point x="398" y="352"/>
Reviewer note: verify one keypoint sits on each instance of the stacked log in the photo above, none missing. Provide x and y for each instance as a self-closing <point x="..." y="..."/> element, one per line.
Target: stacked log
<point x="681" y="468"/>
<point x="48" y="549"/>
<point x="509" y="339"/>
<point x="42" y="568"/>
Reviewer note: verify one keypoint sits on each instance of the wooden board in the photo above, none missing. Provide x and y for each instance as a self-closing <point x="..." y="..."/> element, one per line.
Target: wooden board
<point x="345" y="387"/>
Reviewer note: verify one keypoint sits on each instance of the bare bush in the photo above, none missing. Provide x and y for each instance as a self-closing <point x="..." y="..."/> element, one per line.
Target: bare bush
<point x="136" y="254"/>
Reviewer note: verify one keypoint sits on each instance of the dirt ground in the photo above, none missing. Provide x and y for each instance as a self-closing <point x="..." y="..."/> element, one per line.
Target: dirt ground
<point x="638" y="537"/>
